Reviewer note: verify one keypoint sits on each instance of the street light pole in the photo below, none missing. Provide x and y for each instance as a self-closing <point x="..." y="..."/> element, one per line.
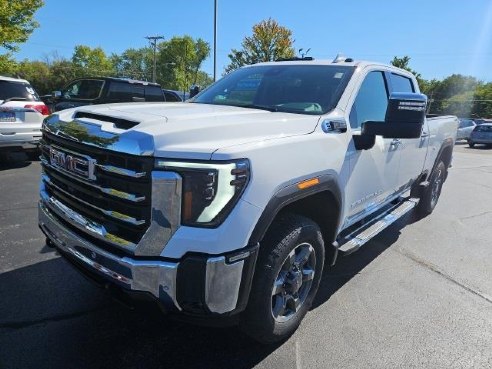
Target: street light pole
<point x="215" y="40"/>
<point x="153" y="43"/>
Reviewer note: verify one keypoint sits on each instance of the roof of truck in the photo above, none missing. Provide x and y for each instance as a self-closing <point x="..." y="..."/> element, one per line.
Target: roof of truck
<point x="337" y="61"/>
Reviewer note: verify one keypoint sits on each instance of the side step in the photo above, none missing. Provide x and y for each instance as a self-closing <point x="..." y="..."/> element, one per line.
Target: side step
<point x="353" y="241"/>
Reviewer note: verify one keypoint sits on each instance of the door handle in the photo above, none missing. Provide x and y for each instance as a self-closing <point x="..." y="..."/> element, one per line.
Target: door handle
<point x="424" y="134"/>
<point x="395" y="143"/>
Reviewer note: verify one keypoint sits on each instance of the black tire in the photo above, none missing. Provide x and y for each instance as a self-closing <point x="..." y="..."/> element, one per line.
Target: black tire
<point x="471" y="144"/>
<point x="288" y="235"/>
<point x="430" y="197"/>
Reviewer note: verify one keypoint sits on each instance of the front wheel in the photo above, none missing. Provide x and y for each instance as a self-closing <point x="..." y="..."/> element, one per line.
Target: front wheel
<point x="286" y="279"/>
<point x="429" y="199"/>
<point x="471" y="144"/>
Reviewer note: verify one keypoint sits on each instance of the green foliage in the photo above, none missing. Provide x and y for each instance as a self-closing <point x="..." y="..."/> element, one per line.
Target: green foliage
<point x="16" y="21"/>
<point x="270" y="41"/>
<point x="179" y="62"/>
<point x="453" y="95"/>
<point x="8" y="66"/>
<point x="89" y="61"/>
<point x="134" y="63"/>
<point x="482" y="106"/>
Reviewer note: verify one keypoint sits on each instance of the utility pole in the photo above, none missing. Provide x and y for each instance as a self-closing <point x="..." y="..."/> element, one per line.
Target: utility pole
<point x="153" y="42"/>
<point x="215" y="40"/>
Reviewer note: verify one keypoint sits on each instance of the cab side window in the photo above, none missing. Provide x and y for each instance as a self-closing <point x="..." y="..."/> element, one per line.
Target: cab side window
<point x="401" y="84"/>
<point x="371" y="101"/>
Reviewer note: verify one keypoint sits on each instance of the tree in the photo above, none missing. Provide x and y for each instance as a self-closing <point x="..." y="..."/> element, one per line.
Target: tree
<point x="482" y="102"/>
<point x="89" y="61"/>
<point x="270" y="41"/>
<point x="16" y="21"/>
<point x="453" y="95"/>
<point x="37" y="73"/>
<point x="134" y="63"/>
<point x="179" y="62"/>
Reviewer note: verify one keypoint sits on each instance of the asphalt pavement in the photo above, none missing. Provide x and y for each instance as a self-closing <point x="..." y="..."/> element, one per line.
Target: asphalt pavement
<point x="417" y="296"/>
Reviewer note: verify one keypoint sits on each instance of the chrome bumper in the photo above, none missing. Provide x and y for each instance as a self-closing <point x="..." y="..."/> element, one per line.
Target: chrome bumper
<point x="223" y="276"/>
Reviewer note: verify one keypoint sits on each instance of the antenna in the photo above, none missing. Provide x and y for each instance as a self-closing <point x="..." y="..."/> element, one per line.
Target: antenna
<point x="303" y="54"/>
<point x="339" y="58"/>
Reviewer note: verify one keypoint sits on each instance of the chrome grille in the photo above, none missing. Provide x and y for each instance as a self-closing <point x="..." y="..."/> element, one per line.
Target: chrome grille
<point x="112" y="204"/>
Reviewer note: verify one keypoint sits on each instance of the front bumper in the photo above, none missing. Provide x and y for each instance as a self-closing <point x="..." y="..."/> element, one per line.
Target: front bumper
<point x="196" y="284"/>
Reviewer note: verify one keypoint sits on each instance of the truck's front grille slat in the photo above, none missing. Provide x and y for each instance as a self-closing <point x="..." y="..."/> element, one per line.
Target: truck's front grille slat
<point x="121" y="171"/>
<point x="111" y="201"/>
<point x="113" y="214"/>
<point x="133" y="197"/>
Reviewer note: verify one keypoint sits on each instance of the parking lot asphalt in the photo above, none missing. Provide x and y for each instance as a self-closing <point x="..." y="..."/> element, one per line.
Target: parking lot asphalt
<point x="419" y="295"/>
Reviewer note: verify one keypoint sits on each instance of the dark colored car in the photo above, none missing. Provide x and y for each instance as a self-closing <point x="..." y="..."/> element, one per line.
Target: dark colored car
<point x="482" y="134"/>
<point x="104" y="90"/>
<point x="172" y="95"/>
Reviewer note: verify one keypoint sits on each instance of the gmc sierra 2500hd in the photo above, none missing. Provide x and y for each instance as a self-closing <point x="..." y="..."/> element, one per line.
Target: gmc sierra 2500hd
<point x="231" y="205"/>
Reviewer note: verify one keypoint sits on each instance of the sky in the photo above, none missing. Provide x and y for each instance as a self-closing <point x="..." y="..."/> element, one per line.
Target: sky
<point x="442" y="37"/>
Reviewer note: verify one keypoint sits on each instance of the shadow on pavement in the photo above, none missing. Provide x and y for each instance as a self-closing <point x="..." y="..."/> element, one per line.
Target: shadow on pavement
<point x="14" y="160"/>
<point x="51" y="317"/>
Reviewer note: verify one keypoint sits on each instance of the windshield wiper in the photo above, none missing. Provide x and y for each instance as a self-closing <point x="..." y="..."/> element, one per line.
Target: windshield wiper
<point x="271" y="108"/>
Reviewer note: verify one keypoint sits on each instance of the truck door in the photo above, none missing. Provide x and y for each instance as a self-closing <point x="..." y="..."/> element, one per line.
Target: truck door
<point x="414" y="150"/>
<point x="373" y="177"/>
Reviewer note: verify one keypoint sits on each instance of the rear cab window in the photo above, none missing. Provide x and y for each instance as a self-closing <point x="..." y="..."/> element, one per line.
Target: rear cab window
<point x="122" y="91"/>
<point x="154" y="93"/>
<point x="400" y="83"/>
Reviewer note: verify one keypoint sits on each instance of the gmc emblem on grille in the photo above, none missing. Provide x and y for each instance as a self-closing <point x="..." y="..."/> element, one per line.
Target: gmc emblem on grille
<point x="83" y="166"/>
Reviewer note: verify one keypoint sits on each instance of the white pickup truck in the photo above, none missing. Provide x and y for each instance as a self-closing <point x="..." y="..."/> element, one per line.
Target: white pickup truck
<point x="231" y="205"/>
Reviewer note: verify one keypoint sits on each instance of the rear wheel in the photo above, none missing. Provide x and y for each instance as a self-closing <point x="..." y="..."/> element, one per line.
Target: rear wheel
<point x="471" y="144"/>
<point x="429" y="199"/>
<point x="286" y="279"/>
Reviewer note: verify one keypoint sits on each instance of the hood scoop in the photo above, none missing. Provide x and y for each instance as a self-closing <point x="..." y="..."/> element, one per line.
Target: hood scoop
<point x="118" y="122"/>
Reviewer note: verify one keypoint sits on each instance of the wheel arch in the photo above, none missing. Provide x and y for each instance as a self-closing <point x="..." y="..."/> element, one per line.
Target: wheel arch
<point x="322" y="203"/>
<point x="445" y="153"/>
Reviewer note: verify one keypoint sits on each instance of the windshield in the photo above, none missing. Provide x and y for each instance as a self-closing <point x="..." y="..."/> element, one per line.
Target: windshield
<point x="9" y="90"/>
<point x="302" y="89"/>
<point x="86" y="89"/>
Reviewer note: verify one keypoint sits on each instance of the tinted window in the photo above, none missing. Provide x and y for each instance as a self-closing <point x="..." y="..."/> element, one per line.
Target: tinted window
<point x="170" y="97"/>
<point x="483" y="129"/>
<point x="121" y="91"/>
<point x="466" y="123"/>
<point x="84" y="89"/>
<point x="371" y="101"/>
<point x="10" y="89"/>
<point x="401" y="84"/>
<point x="153" y="93"/>
<point x="304" y="89"/>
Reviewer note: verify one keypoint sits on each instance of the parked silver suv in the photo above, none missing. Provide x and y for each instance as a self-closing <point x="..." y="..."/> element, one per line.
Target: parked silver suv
<point x="21" y="115"/>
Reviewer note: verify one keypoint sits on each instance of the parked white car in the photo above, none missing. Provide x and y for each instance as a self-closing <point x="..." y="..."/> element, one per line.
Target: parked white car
<point x="21" y="115"/>
<point x="465" y="129"/>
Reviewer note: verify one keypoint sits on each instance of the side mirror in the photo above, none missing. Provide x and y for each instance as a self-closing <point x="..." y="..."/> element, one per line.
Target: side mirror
<point x="194" y="90"/>
<point x="56" y="94"/>
<point x="405" y="116"/>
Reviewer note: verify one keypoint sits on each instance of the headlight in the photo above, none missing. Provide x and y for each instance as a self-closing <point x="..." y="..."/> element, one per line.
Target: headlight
<point x="210" y="190"/>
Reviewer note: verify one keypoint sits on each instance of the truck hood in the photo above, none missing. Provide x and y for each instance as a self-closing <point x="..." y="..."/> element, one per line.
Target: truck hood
<point x="176" y="130"/>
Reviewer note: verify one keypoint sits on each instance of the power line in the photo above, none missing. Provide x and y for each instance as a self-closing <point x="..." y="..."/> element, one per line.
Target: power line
<point x="153" y="42"/>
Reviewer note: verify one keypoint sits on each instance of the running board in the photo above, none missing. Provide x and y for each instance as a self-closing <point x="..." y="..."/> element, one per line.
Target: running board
<point x="366" y="232"/>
